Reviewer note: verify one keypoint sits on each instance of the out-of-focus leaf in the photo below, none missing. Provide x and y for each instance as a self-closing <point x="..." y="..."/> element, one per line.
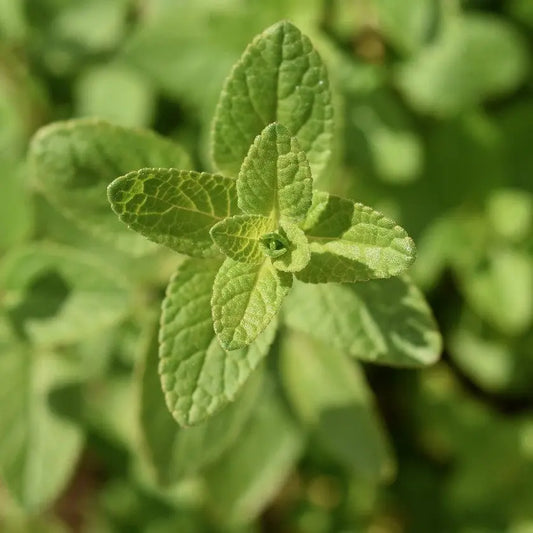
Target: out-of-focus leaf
<point x="500" y="289"/>
<point x="510" y="212"/>
<point x="57" y="295"/>
<point x="239" y="485"/>
<point x="115" y="93"/>
<point x="382" y="321"/>
<point x="330" y="395"/>
<point x="174" y="451"/>
<point x="475" y="57"/>
<point x="407" y="25"/>
<point x="38" y="449"/>
<point x="74" y="162"/>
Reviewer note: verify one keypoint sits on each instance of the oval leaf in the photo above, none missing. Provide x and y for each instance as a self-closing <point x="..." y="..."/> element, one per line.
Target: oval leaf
<point x="275" y="178"/>
<point x="75" y="161"/>
<point x="279" y="78"/>
<point x="176" y="208"/>
<point x="385" y="321"/>
<point x="245" y="299"/>
<point x="351" y="242"/>
<point x="198" y="376"/>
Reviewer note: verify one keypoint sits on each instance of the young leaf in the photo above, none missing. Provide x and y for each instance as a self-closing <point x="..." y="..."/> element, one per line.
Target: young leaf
<point x="38" y="448"/>
<point x="245" y="299"/>
<point x="386" y="321"/>
<point x="75" y="161"/>
<point x="279" y="78"/>
<point x="330" y="395"/>
<point x="238" y="237"/>
<point x="351" y="242"/>
<point x="176" y="208"/>
<point x="172" y="451"/>
<point x="246" y="478"/>
<point x="275" y="178"/>
<point x="198" y="376"/>
<point x="298" y="254"/>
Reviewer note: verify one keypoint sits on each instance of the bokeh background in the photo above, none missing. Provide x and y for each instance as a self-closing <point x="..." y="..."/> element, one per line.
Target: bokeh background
<point x="434" y="106"/>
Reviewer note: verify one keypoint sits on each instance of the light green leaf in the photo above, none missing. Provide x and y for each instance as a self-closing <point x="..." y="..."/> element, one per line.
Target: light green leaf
<point x="474" y="57"/>
<point x="57" y="295"/>
<point x="198" y="376"/>
<point x="279" y="78"/>
<point x="242" y="482"/>
<point x="245" y="299"/>
<point x="500" y="289"/>
<point x="298" y="254"/>
<point x="176" y="208"/>
<point x="116" y="93"/>
<point x="172" y="451"/>
<point x="238" y="237"/>
<point x="275" y="178"/>
<point x="75" y="161"/>
<point x="385" y="321"/>
<point x="330" y="395"/>
<point x="38" y="448"/>
<point x="351" y="242"/>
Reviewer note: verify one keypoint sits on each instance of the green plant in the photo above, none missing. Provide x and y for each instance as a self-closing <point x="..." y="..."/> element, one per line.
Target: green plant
<point x="259" y="236"/>
<point x="258" y="231"/>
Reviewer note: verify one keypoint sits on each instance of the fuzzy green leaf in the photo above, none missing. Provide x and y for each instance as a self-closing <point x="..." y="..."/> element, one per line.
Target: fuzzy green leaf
<point x="385" y="321"/>
<point x="247" y="477"/>
<point x="176" y="208"/>
<point x="198" y="376"/>
<point x="238" y="237"/>
<point x="173" y="451"/>
<point x="351" y="242"/>
<point x="56" y="295"/>
<point x="275" y="178"/>
<point x="279" y="78"/>
<point x="245" y="299"/>
<point x="298" y="254"/>
<point x="75" y="161"/>
<point x="38" y="448"/>
<point x="330" y="395"/>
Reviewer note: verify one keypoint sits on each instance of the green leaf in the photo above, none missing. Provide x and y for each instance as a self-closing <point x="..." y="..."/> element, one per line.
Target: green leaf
<point x="475" y="57"/>
<point x="330" y="395"/>
<point x="57" y="295"/>
<point x="245" y="299"/>
<point x="275" y="178"/>
<point x="38" y="448"/>
<point x="298" y="254"/>
<point x="385" y="321"/>
<point x="351" y="242"/>
<point x="242" y="482"/>
<point x="198" y="376"/>
<point x="175" y="452"/>
<point x="176" y="208"/>
<point x="238" y="237"/>
<point x="279" y="78"/>
<point x="75" y="161"/>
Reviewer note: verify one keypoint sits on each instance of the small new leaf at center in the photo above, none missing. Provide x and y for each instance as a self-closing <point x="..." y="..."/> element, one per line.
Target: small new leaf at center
<point x="273" y="244"/>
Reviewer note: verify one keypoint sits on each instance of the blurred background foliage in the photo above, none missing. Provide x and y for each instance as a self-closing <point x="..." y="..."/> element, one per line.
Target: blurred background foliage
<point x="435" y="128"/>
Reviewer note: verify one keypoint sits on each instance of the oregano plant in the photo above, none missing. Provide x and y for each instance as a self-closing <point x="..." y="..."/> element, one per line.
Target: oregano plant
<point x="255" y="226"/>
<point x="263" y="255"/>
